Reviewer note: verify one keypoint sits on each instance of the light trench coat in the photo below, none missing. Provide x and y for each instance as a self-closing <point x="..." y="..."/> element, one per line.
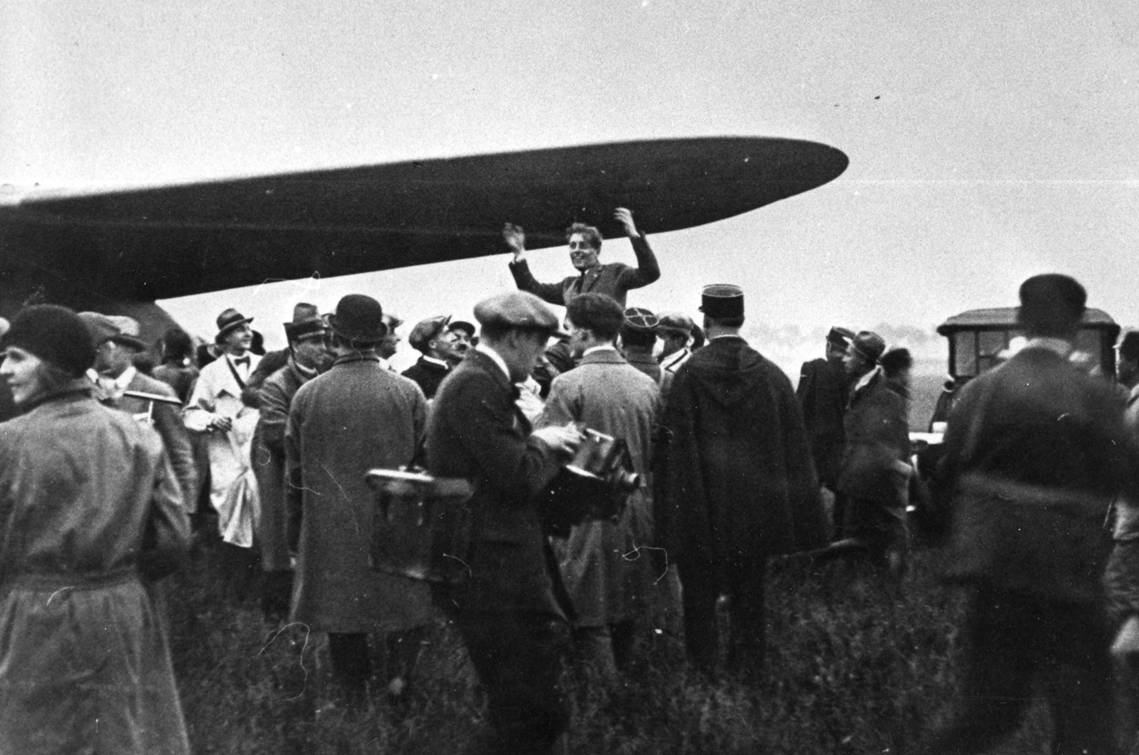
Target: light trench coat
<point x="89" y="504"/>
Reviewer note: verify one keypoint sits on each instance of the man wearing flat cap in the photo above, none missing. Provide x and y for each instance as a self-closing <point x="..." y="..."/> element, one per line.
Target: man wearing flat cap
<point x="675" y="331"/>
<point x="462" y="335"/>
<point x="308" y="354"/>
<point x="356" y="416"/>
<point x="614" y="279"/>
<point x="1035" y="451"/>
<point x="433" y="341"/>
<point x="738" y="484"/>
<point x="506" y="609"/>
<point x="822" y="392"/>
<point x="216" y="407"/>
<point x="638" y="337"/>
<point x="117" y="343"/>
<point x="873" y="476"/>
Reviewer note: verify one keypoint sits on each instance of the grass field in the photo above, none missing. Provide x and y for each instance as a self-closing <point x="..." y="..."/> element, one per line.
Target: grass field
<point x="853" y="667"/>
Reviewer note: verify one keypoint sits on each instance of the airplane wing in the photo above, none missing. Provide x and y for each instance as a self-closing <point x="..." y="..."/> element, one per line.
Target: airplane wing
<point x="148" y="244"/>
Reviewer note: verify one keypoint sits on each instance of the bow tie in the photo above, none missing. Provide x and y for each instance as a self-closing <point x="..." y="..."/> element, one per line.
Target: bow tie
<point x="242" y="360"/>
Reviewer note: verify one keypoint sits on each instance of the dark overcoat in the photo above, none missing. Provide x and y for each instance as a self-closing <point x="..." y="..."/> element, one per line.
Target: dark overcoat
<point x="475" y="432"/>
<point x="822" y="392"/>
<point x="739" y="474"/>
<point x="167" y="420"/>
<point x="1037" y="421"/>
<point x="268" y="457"/>
<point x="877" y="444"/>
<point x="355" y="417"/>
<point x="427" y="375"/>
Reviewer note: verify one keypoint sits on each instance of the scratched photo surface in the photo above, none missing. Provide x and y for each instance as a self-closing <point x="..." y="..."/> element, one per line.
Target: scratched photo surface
<point x="933" y="157"/>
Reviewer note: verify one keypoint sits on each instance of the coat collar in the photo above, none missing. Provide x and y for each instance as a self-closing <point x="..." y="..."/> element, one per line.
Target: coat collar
<point x="603" y="356"/>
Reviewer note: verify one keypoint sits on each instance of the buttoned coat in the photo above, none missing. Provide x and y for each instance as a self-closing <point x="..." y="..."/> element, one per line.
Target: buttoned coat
<point x="427" y="375"/>
<point x="605" y="570"/>
<point x="88" y="501"/>
<point x="477" y="433"/>
<point x="739" y="478"/>
<point x="614" y="279"/>
<point x="276" y="395"/>
<point x="355" y="417"/>
<point x="167" y="420"/>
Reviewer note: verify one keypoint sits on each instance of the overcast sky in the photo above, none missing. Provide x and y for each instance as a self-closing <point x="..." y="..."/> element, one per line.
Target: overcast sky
<point x="986" y="143"/>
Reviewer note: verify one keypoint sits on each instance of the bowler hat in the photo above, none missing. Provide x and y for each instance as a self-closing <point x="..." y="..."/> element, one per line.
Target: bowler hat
<point x="1050" y="304"/>
<point x="426" y="330"/>
<point x="228" y="320"/>
<point x="359" y="318"/>
<point x="868" y="345"/>
<point x="722" y="301"/>
<point x="517" y="309"/>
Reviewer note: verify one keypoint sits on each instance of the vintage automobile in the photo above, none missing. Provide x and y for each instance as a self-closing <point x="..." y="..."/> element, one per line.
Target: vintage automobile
<point x="980" y="339"/>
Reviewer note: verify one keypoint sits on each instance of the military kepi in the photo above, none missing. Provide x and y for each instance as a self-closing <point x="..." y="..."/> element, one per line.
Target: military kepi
<point x="722" y="301"/>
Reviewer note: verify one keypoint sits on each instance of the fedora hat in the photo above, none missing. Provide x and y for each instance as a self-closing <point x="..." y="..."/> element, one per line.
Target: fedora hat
<point x="228" y="320"/>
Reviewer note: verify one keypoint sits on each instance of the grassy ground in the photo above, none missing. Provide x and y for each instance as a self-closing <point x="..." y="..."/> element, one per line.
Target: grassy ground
<point x="852" y="668"/>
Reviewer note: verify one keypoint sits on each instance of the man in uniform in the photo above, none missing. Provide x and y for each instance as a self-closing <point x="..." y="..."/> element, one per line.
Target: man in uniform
<point x="308" y="355"/>
<point x="614" y="279"/>
<point x="739" y="483"/>
<point x="356" y="416"/>
<point x="822" y="393"/>
<point x="506" y="610"/>
<point x="1035" y="451"/>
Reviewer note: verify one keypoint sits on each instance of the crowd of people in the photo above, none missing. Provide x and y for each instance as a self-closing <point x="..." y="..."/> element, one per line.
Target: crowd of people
<point x="112" y="461"/>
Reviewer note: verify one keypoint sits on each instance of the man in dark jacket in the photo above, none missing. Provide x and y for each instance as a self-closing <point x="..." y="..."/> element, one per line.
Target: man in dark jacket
<point x="614" y="279"/>
<point x="1035" y="452"/>
<point x="739" y="484"/>
<point x="873" y="477"/>
<point x="506" y="609"/>
<point x="822" y="392"/>
<point x="432" y="339"/>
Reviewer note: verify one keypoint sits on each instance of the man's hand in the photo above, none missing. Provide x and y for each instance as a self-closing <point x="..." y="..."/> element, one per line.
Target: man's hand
<point x="624" y="216"/>
<point x="515" y="239"/>
<point x="220" y="423"/>
<point x="563" y="439"/>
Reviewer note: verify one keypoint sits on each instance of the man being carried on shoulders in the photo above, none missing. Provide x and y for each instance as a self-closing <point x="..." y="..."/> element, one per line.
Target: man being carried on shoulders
<point x="614" y="279"/>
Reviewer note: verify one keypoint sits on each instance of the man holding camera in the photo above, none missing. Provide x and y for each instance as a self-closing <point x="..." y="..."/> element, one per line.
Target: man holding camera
<point x="506" y="608"/>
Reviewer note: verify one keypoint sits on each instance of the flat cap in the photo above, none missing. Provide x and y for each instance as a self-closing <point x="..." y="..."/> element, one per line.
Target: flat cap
<point x="722" y="300"/>
<point x="516" y="309"/>
<point x="675" y="322"/>
<point x="464" y="326"/>
<point x="641" y="320"/>
<point x="425" y="330"/>
<point x="100" y="326"/>
<point x="869" y="345"/>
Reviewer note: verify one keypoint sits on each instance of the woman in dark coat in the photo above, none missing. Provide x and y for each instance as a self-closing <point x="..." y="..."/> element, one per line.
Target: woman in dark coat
<point x="89" y="509"/>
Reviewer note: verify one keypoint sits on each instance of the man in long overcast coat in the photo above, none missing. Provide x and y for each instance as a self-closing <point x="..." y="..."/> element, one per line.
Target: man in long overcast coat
<point x="740" y="483"/>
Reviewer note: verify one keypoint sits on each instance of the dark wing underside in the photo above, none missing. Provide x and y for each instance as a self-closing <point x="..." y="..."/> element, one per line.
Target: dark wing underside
<point x="179" y="240"/>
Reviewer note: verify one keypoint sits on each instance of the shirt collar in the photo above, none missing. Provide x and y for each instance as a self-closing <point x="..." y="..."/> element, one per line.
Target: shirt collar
<point x="123" y="380"/>
<point x="602" y="347"/>
<point x="1057" y="345"/>
<point x="482" y="348"/>
<point x="865" y="379"/>
<point x="433" y="360"/>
